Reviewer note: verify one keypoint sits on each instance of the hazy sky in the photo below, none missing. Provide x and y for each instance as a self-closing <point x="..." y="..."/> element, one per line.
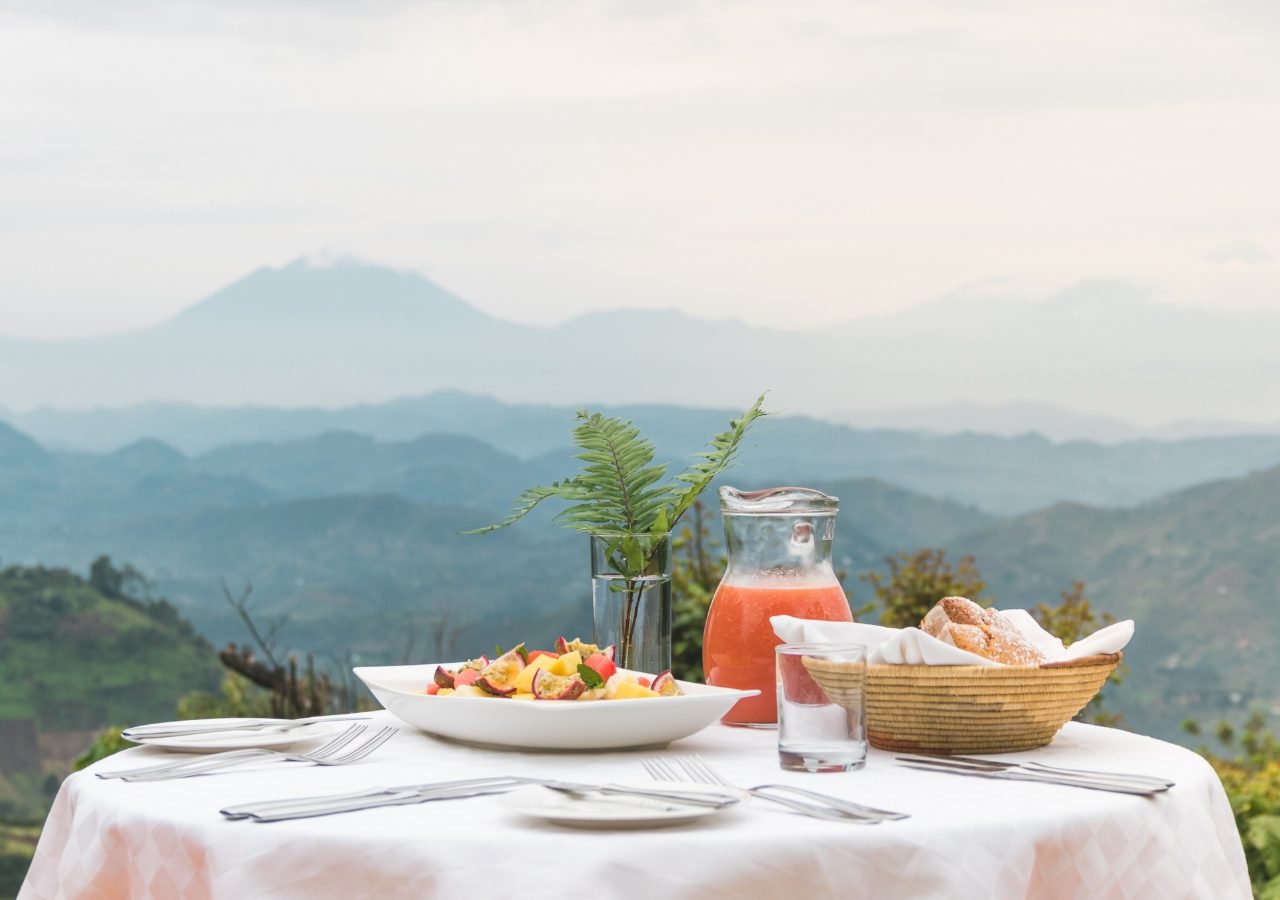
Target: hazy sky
<point x="787" y="163"/>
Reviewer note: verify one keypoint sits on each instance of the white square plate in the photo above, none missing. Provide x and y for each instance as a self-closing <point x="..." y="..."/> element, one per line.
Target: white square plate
<point x="546" y="724"/>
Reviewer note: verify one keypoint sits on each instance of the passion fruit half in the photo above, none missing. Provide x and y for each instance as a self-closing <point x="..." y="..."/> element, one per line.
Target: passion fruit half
<point x="665" y="684"/>
<point x="583" y="648"/>
<point x="557" y="687"/>
<point x="499" y="677"/>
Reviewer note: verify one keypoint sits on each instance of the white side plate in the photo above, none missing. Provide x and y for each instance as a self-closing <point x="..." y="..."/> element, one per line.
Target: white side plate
<point x="215" y="741"/>
<point x="601" y="811"/>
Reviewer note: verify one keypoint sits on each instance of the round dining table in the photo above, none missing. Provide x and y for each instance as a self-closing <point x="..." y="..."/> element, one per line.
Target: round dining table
<point x="965" y="838"/>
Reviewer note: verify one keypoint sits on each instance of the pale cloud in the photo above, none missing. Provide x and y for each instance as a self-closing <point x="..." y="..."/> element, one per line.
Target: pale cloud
<point x="788" y="164"/>
<point x="1241" y="252"/>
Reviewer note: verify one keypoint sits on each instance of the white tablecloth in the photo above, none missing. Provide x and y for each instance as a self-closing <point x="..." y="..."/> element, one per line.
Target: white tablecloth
<point x="967" y="837"/>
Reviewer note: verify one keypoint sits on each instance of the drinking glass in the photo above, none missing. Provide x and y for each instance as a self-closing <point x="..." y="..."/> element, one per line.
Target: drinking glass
<point x="822" y="722"/>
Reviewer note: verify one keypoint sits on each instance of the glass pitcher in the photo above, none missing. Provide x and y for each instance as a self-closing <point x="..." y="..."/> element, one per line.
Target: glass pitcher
<point x="779" y="544"/>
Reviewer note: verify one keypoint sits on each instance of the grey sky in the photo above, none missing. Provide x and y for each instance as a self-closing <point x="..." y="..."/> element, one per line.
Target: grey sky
<point x="784" y="163"/>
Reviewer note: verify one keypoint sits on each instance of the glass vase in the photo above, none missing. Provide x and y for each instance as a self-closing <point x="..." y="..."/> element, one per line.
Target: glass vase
<point x="631" y="598"/>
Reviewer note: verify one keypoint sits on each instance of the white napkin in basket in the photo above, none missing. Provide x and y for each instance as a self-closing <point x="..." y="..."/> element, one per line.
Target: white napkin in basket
<point x="912" y="647"/>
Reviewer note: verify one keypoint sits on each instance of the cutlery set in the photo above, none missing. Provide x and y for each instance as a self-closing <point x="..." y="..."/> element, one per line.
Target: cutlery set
<point x="799" y="800"/>
<point x="204" y="727"/>
<point x="1002" y="770"/>
<point x="305" y="807"/>
<point x="342" y="750"/>
<point x="704" y="786"/>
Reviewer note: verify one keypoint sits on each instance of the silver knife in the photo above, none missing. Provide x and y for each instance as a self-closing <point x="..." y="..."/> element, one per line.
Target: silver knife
<point x="305" y="807"/>
<point x="1046" y="778"/>
<point x="1154" y="785"/>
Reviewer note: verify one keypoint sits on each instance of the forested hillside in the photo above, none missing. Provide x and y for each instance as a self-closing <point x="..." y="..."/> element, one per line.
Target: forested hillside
<point x="1198" y="570"/>
<point x="77" y="654"/>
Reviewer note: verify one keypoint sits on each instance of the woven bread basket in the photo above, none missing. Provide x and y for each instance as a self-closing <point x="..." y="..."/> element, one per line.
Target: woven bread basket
<point x="967" y="709"/>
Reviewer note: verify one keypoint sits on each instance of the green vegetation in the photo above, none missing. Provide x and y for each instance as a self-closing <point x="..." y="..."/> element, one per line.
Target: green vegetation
<point x="1250" y="771"/>
<point x="77" y="654"/>
<point x="916" y="581"/>
<point x="17" y="846"/>
<point x="696" y="568"/>
<point x="619" y="490"/>
<point x="1197" y="571"/>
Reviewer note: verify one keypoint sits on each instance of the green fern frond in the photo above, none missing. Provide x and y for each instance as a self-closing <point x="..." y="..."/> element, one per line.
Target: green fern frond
<point x="724" y="447"/>
<point x="528" y="499"/>
<point x="620" y="489"/>
<point x="619" y="470"/>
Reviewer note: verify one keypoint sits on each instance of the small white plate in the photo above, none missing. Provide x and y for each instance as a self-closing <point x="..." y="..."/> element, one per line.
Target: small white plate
<point x="602" y="810"/>
<point x="565" y="725"/>
<point x="214" y="741"/>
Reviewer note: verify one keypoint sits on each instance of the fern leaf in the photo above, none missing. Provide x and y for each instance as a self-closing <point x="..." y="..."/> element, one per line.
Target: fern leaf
<point x="620" y="489"/>
<point x="620" y="467"/>
<point x="724" y="446"/>
<point x="563" y="490"/>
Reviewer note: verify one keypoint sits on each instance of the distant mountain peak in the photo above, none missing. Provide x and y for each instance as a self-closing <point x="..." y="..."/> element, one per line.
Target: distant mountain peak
<point x="149" y="453"/>
<point x="1102" y="294"/>
<point x="328" y="288"/>
<point x="324" y="259"/>
<point x="16" y="447"/>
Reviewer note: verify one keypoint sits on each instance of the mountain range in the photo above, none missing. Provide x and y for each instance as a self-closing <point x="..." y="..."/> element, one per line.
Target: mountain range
<point x="351" y="333"/>
<point x="1198" y="570"/>
<point x="1057" y="423"/>
<point x="409" y="446"/>
<point x="357" y="542"/>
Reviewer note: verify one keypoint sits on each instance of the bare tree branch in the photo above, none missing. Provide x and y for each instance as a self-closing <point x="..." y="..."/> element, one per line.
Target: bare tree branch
<point x="266" y="644"/>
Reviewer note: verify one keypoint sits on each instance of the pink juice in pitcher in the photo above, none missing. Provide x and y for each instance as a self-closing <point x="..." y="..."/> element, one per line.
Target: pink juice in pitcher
<point x="779" y="543"/>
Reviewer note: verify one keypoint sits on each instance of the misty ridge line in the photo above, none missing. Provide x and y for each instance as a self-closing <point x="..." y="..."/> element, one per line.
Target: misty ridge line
<point x="479" y="450"/>
<point x="350" y="334"/>
<point x="1074" y="293"/>
<point x="1056" y="424"/>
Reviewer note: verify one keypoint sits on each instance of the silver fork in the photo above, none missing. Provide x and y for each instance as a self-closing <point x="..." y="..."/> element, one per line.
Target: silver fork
<point x="340" y="751"/>
<point x="338" y="741"/>
<point x="819" y="806"/>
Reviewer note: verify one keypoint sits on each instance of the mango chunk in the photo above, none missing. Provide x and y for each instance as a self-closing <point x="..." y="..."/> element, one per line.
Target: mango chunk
<point x="566" y="664"/>
<point x="524" y="681"/>
<point x="629" y="690"/>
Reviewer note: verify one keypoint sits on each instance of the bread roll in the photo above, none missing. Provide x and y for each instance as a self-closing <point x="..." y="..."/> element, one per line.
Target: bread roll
<point x="964" y="624"/>
<point x="957" y="610"/>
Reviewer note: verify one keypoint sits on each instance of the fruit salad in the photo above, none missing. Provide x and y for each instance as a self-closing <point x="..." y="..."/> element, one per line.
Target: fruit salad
<point x="576" y="670"/>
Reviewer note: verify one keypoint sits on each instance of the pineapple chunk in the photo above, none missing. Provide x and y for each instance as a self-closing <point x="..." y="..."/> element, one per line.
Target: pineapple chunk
<point x="524" y="681"/>
<point x="444" y="692"/>
<point x="567" y="664"/>
<point x="522" y="695"/>
<point x="629" y="690"/>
